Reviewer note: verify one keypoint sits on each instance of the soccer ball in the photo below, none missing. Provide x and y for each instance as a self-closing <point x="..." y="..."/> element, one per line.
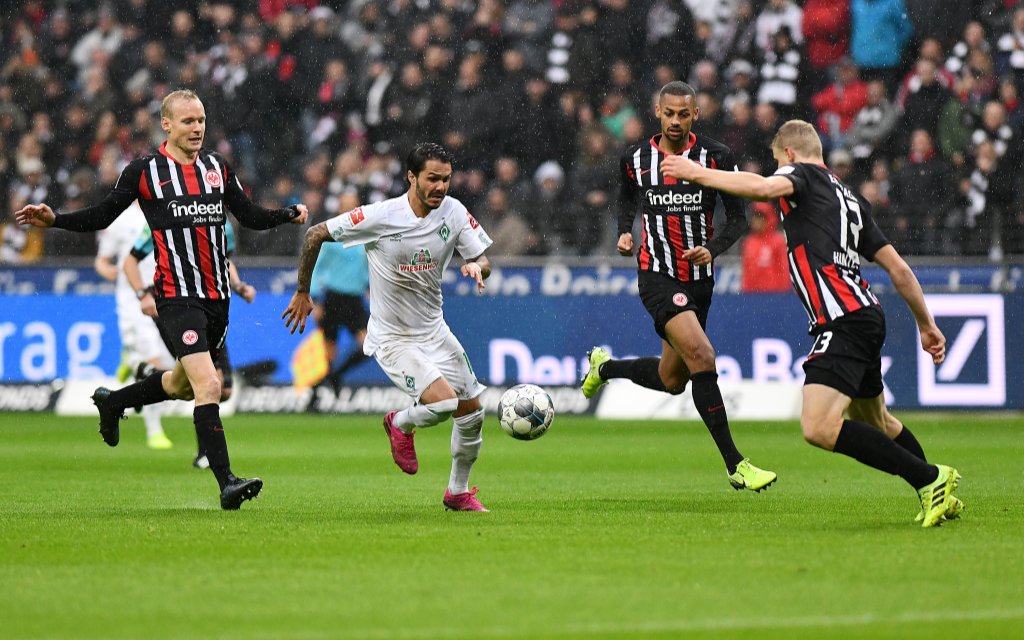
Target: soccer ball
<point x="525" y="412"/>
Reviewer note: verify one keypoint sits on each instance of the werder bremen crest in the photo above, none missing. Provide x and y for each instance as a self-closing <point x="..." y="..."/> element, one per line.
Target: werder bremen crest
<point x="421" y="260"/>
<point x="444" y="231"/>
<point x="421" y="257"/>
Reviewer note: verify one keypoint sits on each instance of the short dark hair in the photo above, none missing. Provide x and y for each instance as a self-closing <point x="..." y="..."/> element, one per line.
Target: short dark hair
<point x="677" y="88"/>
<point x="424" y="151"/>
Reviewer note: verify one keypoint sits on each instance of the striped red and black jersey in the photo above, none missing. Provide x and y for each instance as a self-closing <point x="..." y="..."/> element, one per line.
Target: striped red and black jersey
<point x="828" y="228"/>
<point x="186" y="207"/>
<point x="677" y="215"/>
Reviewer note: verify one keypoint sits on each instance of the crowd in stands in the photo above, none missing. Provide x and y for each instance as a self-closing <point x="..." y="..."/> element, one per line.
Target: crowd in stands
<point x="317" y="101"/>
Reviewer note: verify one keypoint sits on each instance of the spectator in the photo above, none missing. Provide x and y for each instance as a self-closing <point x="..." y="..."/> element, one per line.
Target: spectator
<point x="765" y="267"/>
<point x="921" y="195"/>
<point x="990" y="196"/>
<point x="546" y="209"/>
<point x="511" y="234"/>
<point x="776" y="15"/>
<point x="106" y="37"/>
<point x="879" y="32"/>
<point x="737" y="38"/>
<point x="826" y="30"/>
<point x="838" y="103"/>
<point x="872" y="126"/>
<point x="1010" y="49"/>
<point x="670" y="22"/>
<point x="740" y="77"/>
<point x="781" y="75"/>
<point x="925" y="102"/>
<point x="973" y="38"/>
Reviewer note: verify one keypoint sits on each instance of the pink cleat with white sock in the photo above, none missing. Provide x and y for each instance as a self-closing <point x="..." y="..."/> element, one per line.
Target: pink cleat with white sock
<point x="403" y="450"/>
<point x="462" y="501"/>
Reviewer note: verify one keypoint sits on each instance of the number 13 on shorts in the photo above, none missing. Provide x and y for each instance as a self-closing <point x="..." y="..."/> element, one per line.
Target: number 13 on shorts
<point x="821" y="342"/>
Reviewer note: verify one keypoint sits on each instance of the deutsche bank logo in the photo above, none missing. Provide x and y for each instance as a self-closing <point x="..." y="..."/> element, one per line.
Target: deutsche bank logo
<point x="945" y="385"/>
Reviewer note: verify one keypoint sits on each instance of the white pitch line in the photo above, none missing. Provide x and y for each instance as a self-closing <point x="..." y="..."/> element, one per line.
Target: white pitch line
<point x="663" y="626"/>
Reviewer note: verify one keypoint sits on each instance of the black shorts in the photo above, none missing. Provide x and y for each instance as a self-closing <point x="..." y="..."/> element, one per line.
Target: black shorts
<point x="191" y="325"/>
<point x="664" y="297"/>
<point x="847" y="356"/>
<point x="342" y="310"/>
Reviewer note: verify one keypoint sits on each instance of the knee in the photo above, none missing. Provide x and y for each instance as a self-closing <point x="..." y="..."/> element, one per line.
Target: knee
<point x="675" y="384"/>
<point x="820" y="433"/>
<point x="209" y="388"/>
<point x="225" y="393"/>
<point x="442" y="410"/>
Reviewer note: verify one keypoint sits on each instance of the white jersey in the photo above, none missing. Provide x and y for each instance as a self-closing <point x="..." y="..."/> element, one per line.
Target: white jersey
<point x="115" y="243"/>
<point x="407" y="256"/>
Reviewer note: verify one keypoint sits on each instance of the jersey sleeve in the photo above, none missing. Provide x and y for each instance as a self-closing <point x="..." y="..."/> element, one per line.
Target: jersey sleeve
<point x="871" y="237"/>
<point x="360" y="226"/>
<point x="628" y="192"/>
<point x="797" y="175"/>
<point x="99" y="216"/>
<point x="250" y="214"/>
<point x="735" y="209"/>
<point x="472" y="240"/>
<point x="143" y="244"/>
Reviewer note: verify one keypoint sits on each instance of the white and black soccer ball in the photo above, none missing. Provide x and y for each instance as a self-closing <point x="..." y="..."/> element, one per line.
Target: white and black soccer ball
<point x="525" y="411"/>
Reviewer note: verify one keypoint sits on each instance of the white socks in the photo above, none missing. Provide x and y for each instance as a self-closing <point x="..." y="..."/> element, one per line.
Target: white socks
<point x="425" y="415"/>
<point x="467" y="437"/>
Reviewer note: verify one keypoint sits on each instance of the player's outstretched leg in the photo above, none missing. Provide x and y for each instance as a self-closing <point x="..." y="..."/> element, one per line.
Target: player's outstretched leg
<point x="937" y="497"/>
<point x="399" y="426"/>
<point x="110" y="416"/>
<point x="752" y="478"/>
<point x="462" y="501"/>
<point x="593" y="380"/>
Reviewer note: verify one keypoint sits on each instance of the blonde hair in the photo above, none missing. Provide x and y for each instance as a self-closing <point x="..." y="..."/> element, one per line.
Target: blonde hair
<point x="800" y="136"/>
<point x="180" y="94"/>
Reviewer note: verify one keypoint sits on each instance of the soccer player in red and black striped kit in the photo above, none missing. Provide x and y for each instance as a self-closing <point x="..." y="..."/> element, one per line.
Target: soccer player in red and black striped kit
<point x="182" y="189"/>
<point x="828" y="227"/>
<point x="676" y="277"/>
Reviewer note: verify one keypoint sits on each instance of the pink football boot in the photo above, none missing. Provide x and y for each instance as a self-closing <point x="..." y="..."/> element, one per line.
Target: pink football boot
<point x="462" y="501"/>
<point x="403" y="450"/>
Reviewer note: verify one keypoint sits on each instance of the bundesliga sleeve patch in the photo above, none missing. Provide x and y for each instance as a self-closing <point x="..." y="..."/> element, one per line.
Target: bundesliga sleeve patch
<point x="785" y="170"/>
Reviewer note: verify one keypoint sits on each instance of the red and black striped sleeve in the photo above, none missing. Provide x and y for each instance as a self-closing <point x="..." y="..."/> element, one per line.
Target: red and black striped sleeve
<point x="628" y="193"/>
<point x="99" y="216"/>
<point x="735" y="207"/>
<point x="249" y="213"/>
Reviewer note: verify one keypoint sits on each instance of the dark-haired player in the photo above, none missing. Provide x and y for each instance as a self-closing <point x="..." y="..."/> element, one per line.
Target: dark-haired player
<point x="828" y="227"/>
<point x="409" y="242"/>
<point x="677" y="247"/>
<point x="183" y="191"/>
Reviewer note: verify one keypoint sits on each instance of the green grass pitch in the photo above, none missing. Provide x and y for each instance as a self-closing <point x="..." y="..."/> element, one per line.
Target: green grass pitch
<point x="597" y="530"/>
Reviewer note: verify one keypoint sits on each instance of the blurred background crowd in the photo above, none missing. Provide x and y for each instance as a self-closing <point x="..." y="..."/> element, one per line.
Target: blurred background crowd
<point x="318" y="101"/>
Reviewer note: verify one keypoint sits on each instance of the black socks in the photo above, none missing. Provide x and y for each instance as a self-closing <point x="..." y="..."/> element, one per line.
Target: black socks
<point x="707" y="398"/>
<point x="869" y="446"/>
<point x="907" y="440"/>
<point x="210" y="433"/>
<point x="642" y="371"/>
<point x="149" y="390"/>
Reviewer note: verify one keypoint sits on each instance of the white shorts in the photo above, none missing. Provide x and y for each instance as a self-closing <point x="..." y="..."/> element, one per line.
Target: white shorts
<point x="140" y="339"/>
<point x="414" y="366"/>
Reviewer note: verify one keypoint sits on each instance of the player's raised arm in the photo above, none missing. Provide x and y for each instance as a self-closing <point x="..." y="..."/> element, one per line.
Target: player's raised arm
<point x="301" y="304"/>
<point x="740" y="183"/>
<point x="252" y="215"/>
<point x="91" y="218"/>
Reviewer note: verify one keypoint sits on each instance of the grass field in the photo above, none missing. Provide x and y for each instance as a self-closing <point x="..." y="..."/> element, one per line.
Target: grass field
<point x="597" y="530"/>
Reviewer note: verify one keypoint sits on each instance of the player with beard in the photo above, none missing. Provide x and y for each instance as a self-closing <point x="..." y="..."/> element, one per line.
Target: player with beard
<point x="409" y="242"/>
<point x="676" y="272"/>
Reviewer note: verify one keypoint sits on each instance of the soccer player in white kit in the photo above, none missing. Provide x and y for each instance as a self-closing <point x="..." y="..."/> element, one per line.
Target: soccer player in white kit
<point x="409" y="242"/>
<point x="140" y="339"/>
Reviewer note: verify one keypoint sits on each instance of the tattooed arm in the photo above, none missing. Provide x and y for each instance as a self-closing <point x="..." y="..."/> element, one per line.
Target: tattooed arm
<point x="301" y="304"/>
